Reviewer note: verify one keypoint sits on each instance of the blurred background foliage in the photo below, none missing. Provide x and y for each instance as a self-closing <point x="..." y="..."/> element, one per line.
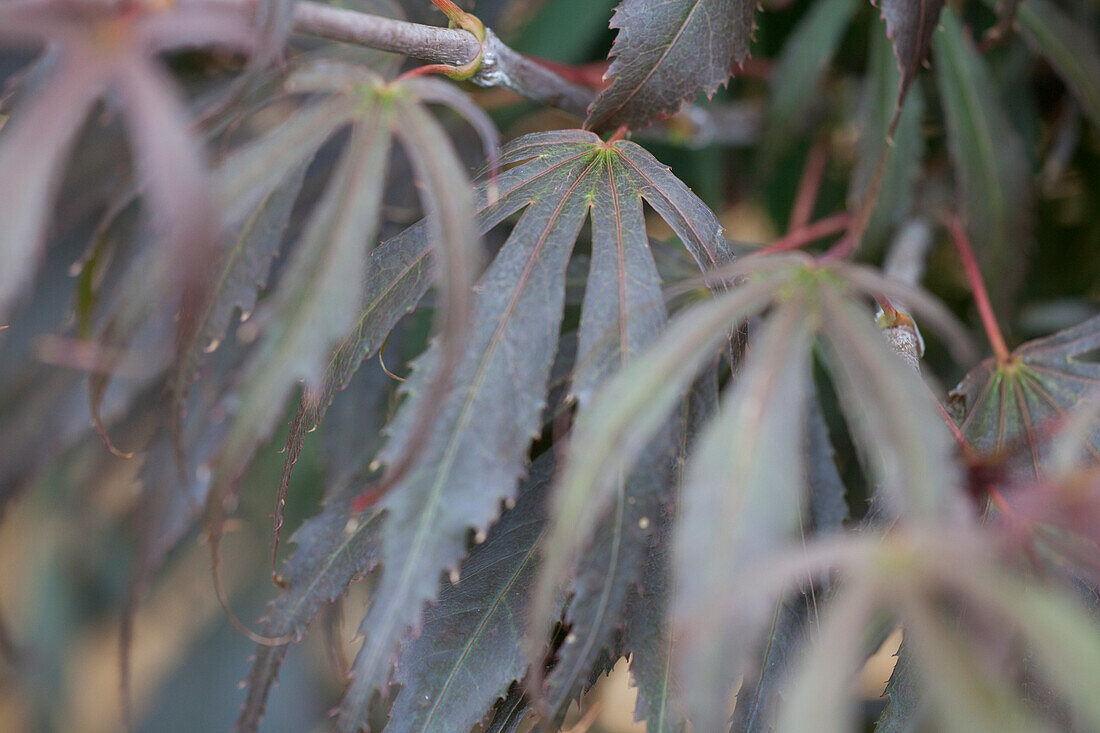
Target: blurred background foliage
<point x="70" y="538"/>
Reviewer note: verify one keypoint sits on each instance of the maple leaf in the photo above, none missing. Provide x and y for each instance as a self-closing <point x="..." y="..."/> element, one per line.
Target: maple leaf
<point x="102" y="50"/>
<point x="1013" y="409"/>
<point x="474" y="454"/>
<point x="909" y="24"/>
<point x="666" y="54"/>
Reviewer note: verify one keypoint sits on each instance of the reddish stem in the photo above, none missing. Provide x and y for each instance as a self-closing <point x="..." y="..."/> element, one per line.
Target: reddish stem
<point x="809" y="185"/>
<point x="587" y="75"/>
<point x="805" y="235"/>
<point x="619" y="134"/>
<point x="977" y="286"/>
<point x="450" y="9"/>
<point x="956" y="432"/>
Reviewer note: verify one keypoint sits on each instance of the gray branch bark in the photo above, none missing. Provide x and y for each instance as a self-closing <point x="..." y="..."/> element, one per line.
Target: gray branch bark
<point x="736" y="124"/>
<point x="501" y="66"/>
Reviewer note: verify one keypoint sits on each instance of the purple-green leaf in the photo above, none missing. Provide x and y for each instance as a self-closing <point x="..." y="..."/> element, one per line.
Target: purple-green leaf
<point x="469" y="651"/>
<point x="331" y="553"/>
<point x="318" y="296"/>
<point x="625" y="415"/>
<point x="1012" y="410"/>
<point x="667" y="53"/>
<point x="908" y="449"/>
<point x="742" y="497"/>
<point x="35" y="143"/>
<point x="474" y="453"/>
<point x="910" y="24"/>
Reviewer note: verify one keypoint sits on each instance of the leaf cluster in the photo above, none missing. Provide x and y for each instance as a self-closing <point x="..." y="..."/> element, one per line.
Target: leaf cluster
<point x="549" y="413"/>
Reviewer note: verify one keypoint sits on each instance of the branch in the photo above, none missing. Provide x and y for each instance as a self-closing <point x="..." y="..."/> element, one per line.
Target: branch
<point x="501" y="66"/>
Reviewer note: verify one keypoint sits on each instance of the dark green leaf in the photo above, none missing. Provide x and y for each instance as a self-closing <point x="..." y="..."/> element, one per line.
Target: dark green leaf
<point x="1069" y="45"/>
<point x="399" y="273"/>
<point x="608" y="568"/>
<point x="797" y="78"/>
<point x="991" y="167"/>
<point x="647" y="634"/>
<point x="667" y="53"/>
<point x="242" y="272"/>
<point x="475" y="450"/>
<point x="622" y="314"/>
<point x="474" y="454"/>
<point x="903" y="710"/>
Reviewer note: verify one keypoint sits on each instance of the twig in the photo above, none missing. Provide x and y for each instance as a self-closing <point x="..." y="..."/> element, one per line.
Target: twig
<point x="809" y="185"/>
<point x="501" y="66"/>
<point x="809" y="233"/>
<point x="977" y="286"/>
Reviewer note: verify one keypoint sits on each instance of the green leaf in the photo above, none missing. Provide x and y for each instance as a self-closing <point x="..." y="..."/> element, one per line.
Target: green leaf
<point x="797" y="78"/>
<point x="1010" y="410"/>
<point x="991" y="166"/>
<point x="741" y="498"/>
<point x="1068" y="45"/>
<point x="910" y="452"/>
<point x="667" y="52"/>
<point x="469" y="651"/>
<point x="876" y="111"/>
